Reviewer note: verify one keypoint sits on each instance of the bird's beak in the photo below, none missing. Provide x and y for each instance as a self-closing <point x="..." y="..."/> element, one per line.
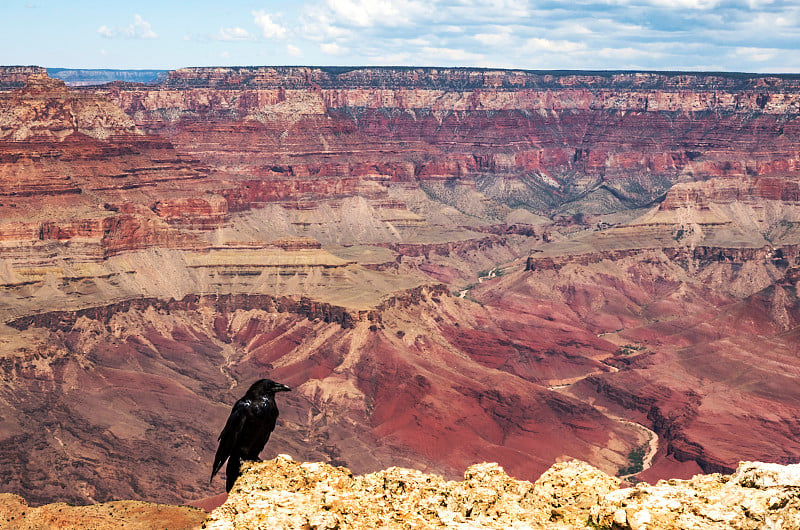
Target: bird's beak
<point x="283" y="388"/>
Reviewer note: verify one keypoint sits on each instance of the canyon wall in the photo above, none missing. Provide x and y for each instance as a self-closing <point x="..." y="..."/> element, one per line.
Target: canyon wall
<point x="447" y="265"/>
<point x="542" y="140"/>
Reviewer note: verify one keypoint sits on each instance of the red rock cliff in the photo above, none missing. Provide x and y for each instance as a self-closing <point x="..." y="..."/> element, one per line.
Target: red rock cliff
<point x="564" y="136"/>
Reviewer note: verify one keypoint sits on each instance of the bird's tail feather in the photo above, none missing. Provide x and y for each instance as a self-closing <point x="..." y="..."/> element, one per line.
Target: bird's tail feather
<point x="232" y="471"/>
<point x="217" y="465"/>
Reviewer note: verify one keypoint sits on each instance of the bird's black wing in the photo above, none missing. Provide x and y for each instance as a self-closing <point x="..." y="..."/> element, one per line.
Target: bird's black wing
<point x="229" y="437"/>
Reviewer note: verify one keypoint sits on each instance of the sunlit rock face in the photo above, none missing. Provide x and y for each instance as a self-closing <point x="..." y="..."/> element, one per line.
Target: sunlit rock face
<point x="540" y="140"/>
<point x="288" y="494"/>
<point x="446" y="265"/>
<point x="285" y="494"/>
<point x="16" y="513"/>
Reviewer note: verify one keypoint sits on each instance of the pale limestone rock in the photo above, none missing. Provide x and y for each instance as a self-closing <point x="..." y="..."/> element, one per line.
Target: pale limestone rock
<point x="283" y="494"/>
<point x="761" y="475"/>
<point x="757" y="496"/>
<point x="568" y="490"/>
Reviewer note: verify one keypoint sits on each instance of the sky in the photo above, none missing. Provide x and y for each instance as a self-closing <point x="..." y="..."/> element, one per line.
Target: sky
<point x="711" y="35"/>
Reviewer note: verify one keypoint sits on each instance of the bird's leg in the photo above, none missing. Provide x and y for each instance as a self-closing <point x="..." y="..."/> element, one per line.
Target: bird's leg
<point x="252" y="456"/>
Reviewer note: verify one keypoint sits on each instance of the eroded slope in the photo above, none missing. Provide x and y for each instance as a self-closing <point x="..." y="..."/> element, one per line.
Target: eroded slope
<point x="448" y="266"/>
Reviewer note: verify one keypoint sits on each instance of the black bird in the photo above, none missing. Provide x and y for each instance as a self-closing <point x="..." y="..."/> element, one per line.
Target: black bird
<point x="251" y="422"/>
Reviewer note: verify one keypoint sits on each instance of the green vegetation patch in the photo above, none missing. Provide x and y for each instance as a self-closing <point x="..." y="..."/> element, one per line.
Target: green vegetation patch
<point x="630" y="349"/>
<point x="635" y="461"/>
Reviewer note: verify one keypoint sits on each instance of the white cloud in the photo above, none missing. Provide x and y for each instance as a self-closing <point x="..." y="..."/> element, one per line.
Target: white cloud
<point x="500" y="37"/>
<point x="139" y="29"/>
<point x="332" y="48"/>
<point x="368" y="13"/>
<point x="575" y="29"/>
<point x="142" y="29"/>
<point x="418" y="42"/>
<point x="105" y="31"/>
<point x="646" y="34"/>
<point x="513" y="8"/>
<point x="319" y="26"/>
<point x="672" y="4"/>
<point x="269" y="27"/>
<point x="293" y="50"/>
<point x="233" y="34"/>
<point x="393" y="59"/>
<point x="687" y="4"/>
<point x="758" y="4"/>
<point x="628" y="56"/>
<point x="436" y="55"/>
<point x="480" y="12"/>
<point x="757" y="55"/>
<point x="606" y="27"/>
<point x="546" y="45"/>
<point x="770" y="23"/>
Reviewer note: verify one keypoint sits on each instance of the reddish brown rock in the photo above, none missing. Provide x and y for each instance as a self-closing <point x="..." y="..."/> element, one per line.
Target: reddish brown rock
<point x="530" y="127"/>
<point x="165" y="245"/>
<point x="16" y="513"/>
<point x="726" y="191"/>
<point x="193" y="212"/>
<point x="16" y="76"/>
<point x="414" y="395"/>
<point x="692" y="364"/>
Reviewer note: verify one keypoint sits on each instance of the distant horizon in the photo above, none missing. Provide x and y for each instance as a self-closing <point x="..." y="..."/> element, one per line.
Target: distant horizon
<point x="425" y="67"/>
<point x="100" y="76"/>
<point x="758" y="36"/>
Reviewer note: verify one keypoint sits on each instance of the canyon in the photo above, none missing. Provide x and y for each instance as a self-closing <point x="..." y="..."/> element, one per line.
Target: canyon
<point x="446" y="265"/>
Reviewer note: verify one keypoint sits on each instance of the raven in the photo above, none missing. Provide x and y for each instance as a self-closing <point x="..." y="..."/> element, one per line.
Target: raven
<point x="247" y="430"/>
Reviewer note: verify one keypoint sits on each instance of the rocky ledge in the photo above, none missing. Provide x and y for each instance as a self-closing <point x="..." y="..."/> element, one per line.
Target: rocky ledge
<point x="282" y="493"/>
<point x="15" y="513"/>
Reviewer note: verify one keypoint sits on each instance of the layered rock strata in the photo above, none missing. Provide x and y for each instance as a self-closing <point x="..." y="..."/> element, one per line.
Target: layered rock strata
<point x="686" y="329"/>
<point x="360" y="234"/>
<point x="404" y="386"/>
<point x="78" y="175"/>
<point x="543" y="140"/>
<point x="12" y="77"/>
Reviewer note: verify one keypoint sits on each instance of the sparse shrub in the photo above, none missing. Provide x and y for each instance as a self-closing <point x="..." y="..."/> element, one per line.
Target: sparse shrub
<point x="630" y="349"/>
<point x="635" y="461"/>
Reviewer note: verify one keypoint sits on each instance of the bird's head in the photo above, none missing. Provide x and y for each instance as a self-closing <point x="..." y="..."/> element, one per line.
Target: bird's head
<point x="266" y="386"/>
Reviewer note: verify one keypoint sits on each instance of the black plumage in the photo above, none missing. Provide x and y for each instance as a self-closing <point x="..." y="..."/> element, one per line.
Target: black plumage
<point x="247" y="430"/>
